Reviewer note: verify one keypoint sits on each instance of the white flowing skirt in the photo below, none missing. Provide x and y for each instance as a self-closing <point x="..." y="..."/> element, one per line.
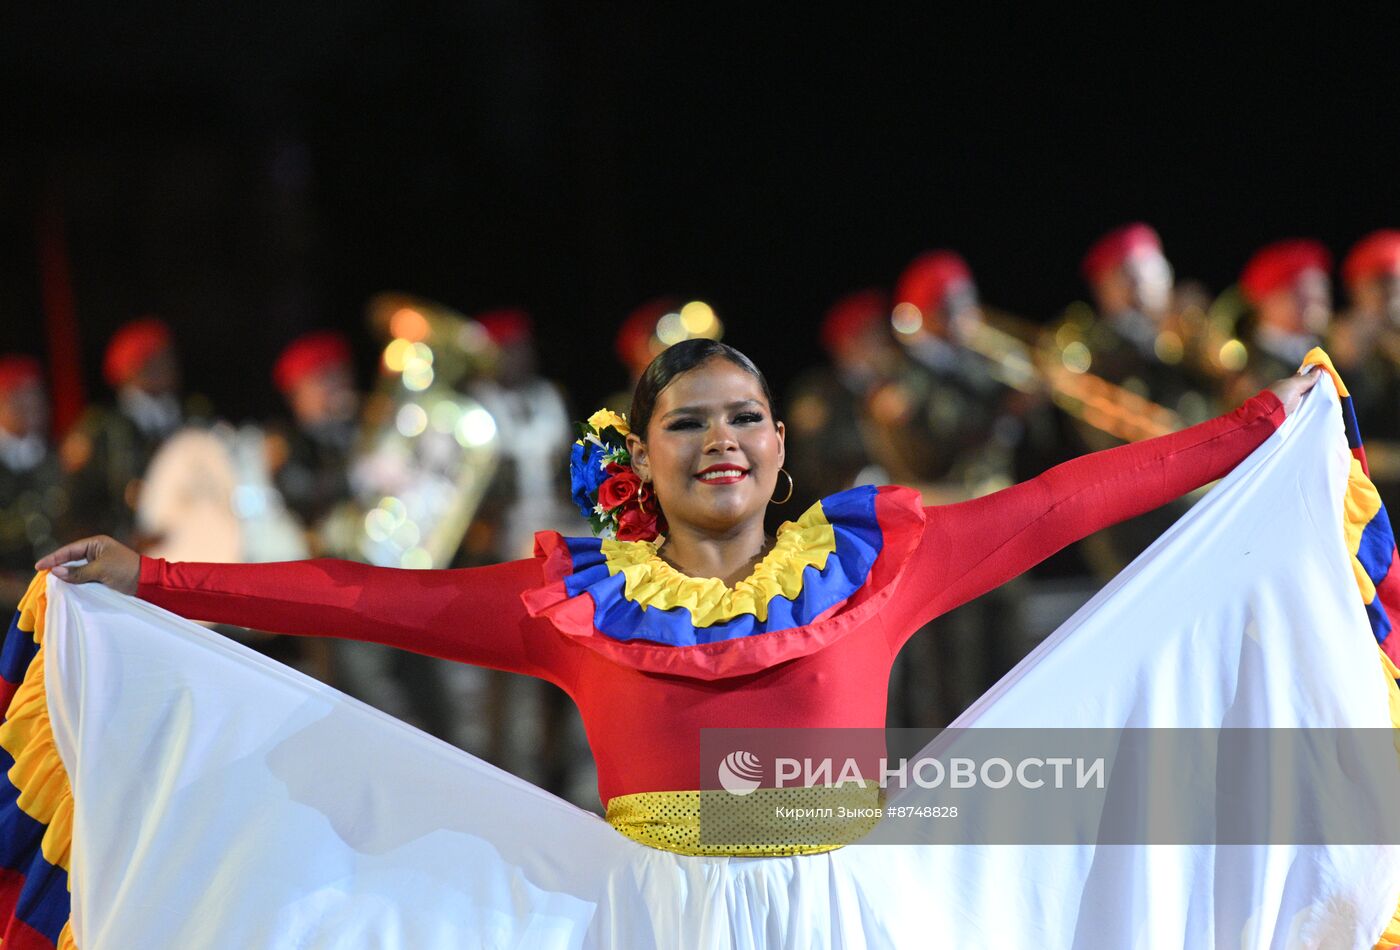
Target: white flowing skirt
<point x="225" y="801"/>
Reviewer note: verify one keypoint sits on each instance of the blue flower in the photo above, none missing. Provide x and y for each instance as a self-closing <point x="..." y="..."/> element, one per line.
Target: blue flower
<point x="586" y="473"/>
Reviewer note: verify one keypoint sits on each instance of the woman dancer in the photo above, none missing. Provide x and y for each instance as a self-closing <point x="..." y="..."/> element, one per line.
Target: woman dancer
<point x="713" y="623"/>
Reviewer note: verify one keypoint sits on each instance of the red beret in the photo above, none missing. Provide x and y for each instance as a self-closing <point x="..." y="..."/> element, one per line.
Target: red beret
<point x="1375" y="255"/>
<point x="926" y="282"/>
<point x="507" y="325"/>
<point x="307" y="354"/>
<point x="130" y="348"/>
<point x="1279" y="264"/>
<point x="634" y="337"/>
<point x="1116" y="247"/>
<point x="17" y="371"/>
<point x="853" y="314"/>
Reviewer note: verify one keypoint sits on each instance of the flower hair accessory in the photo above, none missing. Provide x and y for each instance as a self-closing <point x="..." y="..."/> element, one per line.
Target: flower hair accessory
<point x="608" y="493"/>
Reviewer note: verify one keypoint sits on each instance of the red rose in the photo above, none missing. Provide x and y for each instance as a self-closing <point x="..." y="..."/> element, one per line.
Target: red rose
<point x="619" y="490"/>
<point x="634" y="524"/>
<point x="646" y="501"/>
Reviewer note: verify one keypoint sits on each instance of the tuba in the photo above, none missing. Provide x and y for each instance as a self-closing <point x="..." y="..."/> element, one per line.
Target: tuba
<point x="426" y="452"/>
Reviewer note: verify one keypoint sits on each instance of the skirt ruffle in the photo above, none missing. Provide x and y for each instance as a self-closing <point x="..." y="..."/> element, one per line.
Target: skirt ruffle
<point x="195" y="794"/>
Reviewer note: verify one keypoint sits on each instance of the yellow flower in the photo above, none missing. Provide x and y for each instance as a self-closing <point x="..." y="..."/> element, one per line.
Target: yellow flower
<point x="603" y="418"/>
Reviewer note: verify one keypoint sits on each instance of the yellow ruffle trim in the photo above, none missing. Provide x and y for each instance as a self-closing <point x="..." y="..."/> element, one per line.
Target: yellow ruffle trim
<point x="765" y="823"/>
<point x="1360" y="505"/>
<point x="650" y="582"/>
<point x="45" y="794"/>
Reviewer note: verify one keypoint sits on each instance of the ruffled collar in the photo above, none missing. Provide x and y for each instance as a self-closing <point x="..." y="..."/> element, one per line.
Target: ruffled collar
<point x="824" y="576"/>
<point x="650" y="581"/>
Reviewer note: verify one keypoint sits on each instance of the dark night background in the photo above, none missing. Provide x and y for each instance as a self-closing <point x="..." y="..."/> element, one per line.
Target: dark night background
<point x="254" y="170"/>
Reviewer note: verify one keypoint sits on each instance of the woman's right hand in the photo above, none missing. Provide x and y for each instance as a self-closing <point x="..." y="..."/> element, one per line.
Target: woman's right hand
<point x="1291" y="389"/>
<point x="109" y="562"/>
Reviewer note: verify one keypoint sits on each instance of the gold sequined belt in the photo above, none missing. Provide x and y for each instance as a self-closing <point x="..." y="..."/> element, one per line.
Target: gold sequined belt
<point x="767" y="822"/>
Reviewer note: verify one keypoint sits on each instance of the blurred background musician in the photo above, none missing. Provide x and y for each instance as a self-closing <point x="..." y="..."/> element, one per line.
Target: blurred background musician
<point x="1142" y="334"/>
<point x="986" y="407"/>
<point x="1288" y="287"/>
<point x="32" y="500"/>
<point x="527" y="493"/>
<point x="1365" y="345"/>
<point x="309" y="453"/>
<point x="832" y="442"/>
<point x="1365" y="340"/>
<point x="531" y="727"/>
<point x="106" y="454"/>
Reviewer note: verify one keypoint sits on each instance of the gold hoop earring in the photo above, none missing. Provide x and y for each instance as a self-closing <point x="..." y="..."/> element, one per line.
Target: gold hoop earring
<point x="788" y="497"/>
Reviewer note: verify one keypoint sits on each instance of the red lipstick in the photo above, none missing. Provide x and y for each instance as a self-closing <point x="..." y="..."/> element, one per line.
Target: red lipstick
<point x="734" y="473"/>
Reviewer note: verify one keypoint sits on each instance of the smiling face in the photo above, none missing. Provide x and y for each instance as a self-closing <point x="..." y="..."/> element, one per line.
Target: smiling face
<point x="712" y="449"/>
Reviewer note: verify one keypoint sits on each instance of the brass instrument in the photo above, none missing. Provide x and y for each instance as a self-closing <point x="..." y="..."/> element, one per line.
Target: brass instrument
<point x="1030" y="359"/>
<point x="1065" y="360"/>
<point x="426" y="452"/>
<point x="1000" y="338"/>
<point x="1222" y="353"/>
<point x="1105" y="414"/>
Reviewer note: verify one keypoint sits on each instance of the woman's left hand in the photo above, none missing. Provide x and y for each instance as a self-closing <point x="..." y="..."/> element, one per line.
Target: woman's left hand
<point x="1291" y="390"/>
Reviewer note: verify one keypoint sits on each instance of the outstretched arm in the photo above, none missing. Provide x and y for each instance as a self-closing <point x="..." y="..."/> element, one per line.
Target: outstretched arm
<point x="472" y="615"/>
<point x="971" y="547"/>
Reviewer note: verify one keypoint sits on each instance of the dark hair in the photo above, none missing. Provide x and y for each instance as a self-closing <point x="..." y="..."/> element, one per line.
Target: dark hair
<point x="675" y="360"/>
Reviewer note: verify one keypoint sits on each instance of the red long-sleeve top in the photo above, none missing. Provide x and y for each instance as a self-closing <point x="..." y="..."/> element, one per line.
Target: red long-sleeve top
<point x="644" y="727"/>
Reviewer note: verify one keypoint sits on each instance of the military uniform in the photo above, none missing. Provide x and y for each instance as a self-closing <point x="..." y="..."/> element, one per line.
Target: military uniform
<point x="32" y="504"/>
<point x="103" y="460"/>
<point x="1136" y="342"/>
<point x="984" y="442"/>
<point x="1126" y="350"/>
<point x="31" y="498"/>
<point x="314" y="475"/>
<point x="106" y="454"/>
<point x="921" y="425"/>
<point x="1365" y="346"/>
<point x="1143" y="337"/>
<point x="837" y="433"/>
<point x="826" y="450"/>
<point x="309" y="467"/>
<point x="1286" y="284"/>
